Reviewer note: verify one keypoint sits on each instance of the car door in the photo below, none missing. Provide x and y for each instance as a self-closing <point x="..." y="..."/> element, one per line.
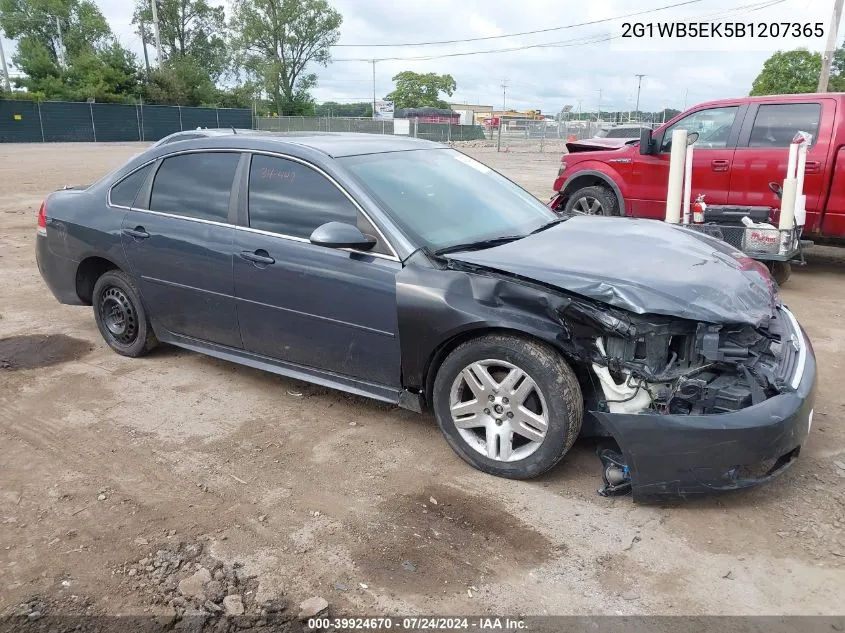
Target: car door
<point x="718" y="129"/>
<point x="763" y="151"/>
<point x="178" y="241"/>
<point x="324" y="308"/>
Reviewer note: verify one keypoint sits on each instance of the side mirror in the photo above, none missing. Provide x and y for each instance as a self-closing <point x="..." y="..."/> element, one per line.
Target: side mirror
<point x="692" y="137"/>
<point x="342" y="235"/>
<point x="646" y="142"/>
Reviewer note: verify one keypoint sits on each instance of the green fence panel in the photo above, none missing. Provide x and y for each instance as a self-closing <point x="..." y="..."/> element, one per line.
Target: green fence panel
<point x="65" y="122"/>
<point x="19" y="122"/>
<point x="116" y="122"/>
<point x="235" y="117"/>
<point x="159" y="121"/>
<point x="193" y="118"/>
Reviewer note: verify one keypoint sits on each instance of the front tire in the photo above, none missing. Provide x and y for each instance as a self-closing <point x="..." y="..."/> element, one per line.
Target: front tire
<point x="781" y="271"/>
<point x="595" y="200"/>
<point x="508" y="406"/>
<point x="120" y="315"/>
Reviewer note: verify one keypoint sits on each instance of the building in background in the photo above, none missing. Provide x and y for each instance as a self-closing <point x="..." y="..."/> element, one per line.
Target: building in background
<point x="471" y="114"/>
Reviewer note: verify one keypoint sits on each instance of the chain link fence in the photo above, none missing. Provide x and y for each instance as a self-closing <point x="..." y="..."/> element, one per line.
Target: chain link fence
<point x="440" y="132"/>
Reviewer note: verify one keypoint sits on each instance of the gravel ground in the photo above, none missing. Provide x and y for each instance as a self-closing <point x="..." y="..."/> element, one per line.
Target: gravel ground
<point x="293" y="491"/>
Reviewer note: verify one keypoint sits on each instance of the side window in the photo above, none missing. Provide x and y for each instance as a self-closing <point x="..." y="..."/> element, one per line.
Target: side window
<point x="195" y="185"/>
<point x="713" y="126"/>
<point x="776" y="125"/>
<point x="292" y="199"/>
<point x="123" y="193"/>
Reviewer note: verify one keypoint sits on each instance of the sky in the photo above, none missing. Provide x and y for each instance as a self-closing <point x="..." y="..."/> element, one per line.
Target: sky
<point x="590" y="65"/>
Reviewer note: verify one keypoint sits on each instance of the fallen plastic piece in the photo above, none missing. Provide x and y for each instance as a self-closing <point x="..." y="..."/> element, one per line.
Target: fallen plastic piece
<point x="615" y="474"/>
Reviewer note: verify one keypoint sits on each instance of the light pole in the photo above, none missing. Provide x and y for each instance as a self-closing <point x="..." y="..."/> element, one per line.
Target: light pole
<point x="639" y="85"/>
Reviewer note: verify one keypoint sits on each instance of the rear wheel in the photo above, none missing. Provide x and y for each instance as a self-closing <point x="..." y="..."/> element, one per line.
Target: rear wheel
<point x="595" y="200"/>
<point x="780" y="271"/>
<point x="508" y="406"/>
<point x="120" y="315"/>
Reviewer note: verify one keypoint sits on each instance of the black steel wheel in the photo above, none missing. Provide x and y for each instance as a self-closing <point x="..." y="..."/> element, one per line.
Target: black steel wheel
<point x="120" y="315"/>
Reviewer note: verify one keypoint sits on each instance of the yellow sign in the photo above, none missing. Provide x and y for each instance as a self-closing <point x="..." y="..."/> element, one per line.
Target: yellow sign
<point x="18" y="117"/>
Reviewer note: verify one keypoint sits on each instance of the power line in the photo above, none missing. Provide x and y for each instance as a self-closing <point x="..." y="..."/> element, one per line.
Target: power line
<point x="548" y="30"/>
<point x="591" y="39"/>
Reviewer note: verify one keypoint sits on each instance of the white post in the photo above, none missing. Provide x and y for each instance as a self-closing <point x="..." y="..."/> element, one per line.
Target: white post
<point x="688" y="183"/>
<point x="677" y="157"/>
<point x="800" y="198"/>
<point x="790" y="189"/>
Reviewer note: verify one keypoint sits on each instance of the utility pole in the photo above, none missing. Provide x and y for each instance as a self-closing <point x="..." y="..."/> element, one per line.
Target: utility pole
<point x="7" y="85"/>
<point x="504" y="93"/>
<point x="639" y="85"/>
<point x="686" y="95"/>
<point x="374" y="89"/>
<point x="60" y="49"/>
<point x="831" y="46"/>
<point x="598" y="116"/>
<point x="144" y="44"/>
<point x="156" y="33"/>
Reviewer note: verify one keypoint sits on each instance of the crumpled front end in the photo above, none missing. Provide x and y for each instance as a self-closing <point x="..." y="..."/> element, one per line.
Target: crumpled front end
<point x="701" y="407"/>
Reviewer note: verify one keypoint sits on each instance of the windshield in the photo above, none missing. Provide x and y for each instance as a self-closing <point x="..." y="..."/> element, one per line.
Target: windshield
<point x="443" y="198"/>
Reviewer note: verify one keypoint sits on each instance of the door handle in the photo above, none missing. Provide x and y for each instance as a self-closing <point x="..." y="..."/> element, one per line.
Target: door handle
<point x="812" y="167"/>
<point x="137" y="233"/>
<point x="258" y="257"/>
<point x="720" y="165"/>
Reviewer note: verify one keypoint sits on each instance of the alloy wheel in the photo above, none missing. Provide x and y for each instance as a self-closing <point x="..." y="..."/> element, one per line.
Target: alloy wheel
<point x="499" y="410"/>
<point x="588" y="206"/>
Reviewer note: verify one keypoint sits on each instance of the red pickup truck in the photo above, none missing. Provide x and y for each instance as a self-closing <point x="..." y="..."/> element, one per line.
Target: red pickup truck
<point x="742" y="147"/>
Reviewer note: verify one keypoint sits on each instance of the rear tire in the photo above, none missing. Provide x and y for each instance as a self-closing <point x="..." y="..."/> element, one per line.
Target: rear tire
<point x="508" y="406"/>
<point x="120" y="315"/>
<point x="780" y="271"/>
<point x="596" y="200"/>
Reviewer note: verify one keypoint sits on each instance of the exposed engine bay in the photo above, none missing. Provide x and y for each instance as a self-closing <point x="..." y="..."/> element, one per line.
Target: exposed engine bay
<point x="673" y="366"/>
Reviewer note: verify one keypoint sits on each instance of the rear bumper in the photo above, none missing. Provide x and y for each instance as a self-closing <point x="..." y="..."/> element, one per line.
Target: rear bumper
<point x="680" y="456"/>
<point x="59" y="273"/>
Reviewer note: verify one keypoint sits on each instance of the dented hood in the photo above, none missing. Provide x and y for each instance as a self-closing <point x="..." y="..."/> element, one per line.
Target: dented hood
<point x="645" y="266"/>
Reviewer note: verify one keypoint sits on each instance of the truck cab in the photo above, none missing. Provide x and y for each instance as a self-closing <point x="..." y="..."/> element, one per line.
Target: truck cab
<point x="742" y="147"/>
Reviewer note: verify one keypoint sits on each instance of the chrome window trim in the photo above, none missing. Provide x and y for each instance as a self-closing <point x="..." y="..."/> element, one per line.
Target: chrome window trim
<point x="113" y="185"/>
<point x="392" y="257"/>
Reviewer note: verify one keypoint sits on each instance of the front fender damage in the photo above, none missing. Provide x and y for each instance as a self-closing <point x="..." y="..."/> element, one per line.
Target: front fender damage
<point x="628" y="363"/>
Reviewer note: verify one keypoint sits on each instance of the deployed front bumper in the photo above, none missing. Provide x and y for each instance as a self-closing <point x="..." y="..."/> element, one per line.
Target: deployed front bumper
<point x="677" y="456"/>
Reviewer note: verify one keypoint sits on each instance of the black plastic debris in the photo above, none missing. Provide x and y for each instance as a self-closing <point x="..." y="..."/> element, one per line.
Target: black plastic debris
<point x="617" y="479"/>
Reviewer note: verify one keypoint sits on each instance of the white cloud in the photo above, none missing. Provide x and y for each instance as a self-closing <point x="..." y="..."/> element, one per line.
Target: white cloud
<point x="545" y="78"/>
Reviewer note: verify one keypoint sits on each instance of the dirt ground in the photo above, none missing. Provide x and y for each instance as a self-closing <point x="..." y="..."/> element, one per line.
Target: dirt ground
<point x="105" y="459"/>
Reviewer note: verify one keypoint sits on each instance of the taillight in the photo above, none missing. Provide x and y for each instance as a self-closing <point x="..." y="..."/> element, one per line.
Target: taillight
<point x="562" y="168"/>
<point x="42" y="219"/>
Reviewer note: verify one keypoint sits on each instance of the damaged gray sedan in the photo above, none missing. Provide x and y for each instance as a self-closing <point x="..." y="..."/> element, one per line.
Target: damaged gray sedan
<point x="408" y="272"/>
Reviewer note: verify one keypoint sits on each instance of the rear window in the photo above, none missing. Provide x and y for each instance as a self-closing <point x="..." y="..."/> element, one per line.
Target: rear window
<point x="123" y="194"/>
<point x="195" y="185"/>
<point x="776" y="125"/>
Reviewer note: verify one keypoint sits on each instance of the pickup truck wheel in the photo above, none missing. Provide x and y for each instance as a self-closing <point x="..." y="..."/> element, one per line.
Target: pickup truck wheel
<point x="595" y="200"/>
<point x="780" y="271"/>
<point x="510" y="407"/>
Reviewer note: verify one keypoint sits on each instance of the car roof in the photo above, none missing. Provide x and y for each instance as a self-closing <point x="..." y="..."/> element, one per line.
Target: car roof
<point x="800" y="97"/>
<point x="333" y="144"/>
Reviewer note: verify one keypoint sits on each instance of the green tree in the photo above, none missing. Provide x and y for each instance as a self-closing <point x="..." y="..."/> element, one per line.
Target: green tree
<point x="415" y="90"/>
<point x="188" y="28"/>
<point x="181" y="80"/>
<point x="66" y="50"/>
<point x="274" y="42"/>
<point x="333" y="108"/>
<point x="788" y="72"/>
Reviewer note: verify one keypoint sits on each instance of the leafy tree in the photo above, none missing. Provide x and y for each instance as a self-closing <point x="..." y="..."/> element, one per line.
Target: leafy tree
<point x="415" y="90"/>
<point x="49" y="32"/>
<point x="181" y="80"/>
<point x="332" y="108"/>
<point x="789" y="72"/>
<point x="188" y="28"/>
<point x="275" y="40"/>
